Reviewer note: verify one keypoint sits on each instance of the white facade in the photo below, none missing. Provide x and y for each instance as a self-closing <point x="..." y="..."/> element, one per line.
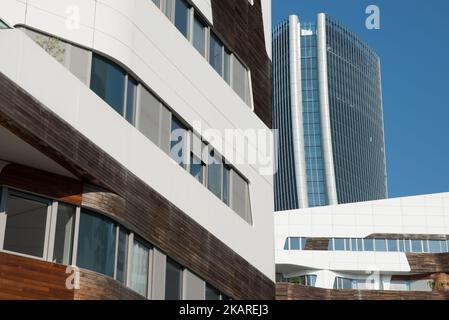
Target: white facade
<point x="418" y="215"/>
<point x="137" y="35"/>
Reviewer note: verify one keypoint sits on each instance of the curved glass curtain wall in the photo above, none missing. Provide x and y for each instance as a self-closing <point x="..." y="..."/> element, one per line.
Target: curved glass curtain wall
<point x="356" y="116"/>
<point x="46" y="229"/>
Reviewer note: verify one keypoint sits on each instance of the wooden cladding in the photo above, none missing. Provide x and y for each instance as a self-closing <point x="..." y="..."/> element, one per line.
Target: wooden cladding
<point x="26" y="278"/>
<point x="428" y="263"/>
<point x="319" y="244"/>
<point x="240" y="25"/>
<point x="41" y="182"/>
<point x="289" y="291"/>
<point x="143" y="209"/>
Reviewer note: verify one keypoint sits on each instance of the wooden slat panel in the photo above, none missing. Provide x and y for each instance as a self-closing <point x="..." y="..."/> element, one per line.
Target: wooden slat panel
<point x="146" y="212"/>
<point x="428" y="262"/>
<point x="44" y="183"/>
<point x="289" y="291"/>
<point x="319" y="244"/>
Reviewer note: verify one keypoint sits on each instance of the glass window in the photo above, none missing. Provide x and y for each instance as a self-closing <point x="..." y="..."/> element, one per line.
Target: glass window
<point x="392" y="245"/>
<point x="196" y="168"/>
<point x="139" y="268"/>
<point x="157" y="3"/>
<point x="380" y="245"/>
<point x="168" y="8"/>
<point x="359" y="244"/>
<point x="417" y="246"/>
<point x="368" y="244"/>
<point x="3" y="25"/>
<point x="286" y="246"/>
<point x="354" y="244"/>
<point x="294" y="244"/>
<point x="214" y="174"/>
<point x="348" y="244"/>
<point x="182" y="16"/>
<point x="148" y="121"/>
<point x="26" y="221"/>
<point x="407" y="245"/>
<point x="343" y="283"/>
<point x="435" y="246"/>
<point x="445" y="245"/>
<point x="131" y="100"/>
<point x="96" y="243"/>
<point x="108" y="82"/>
<point x="227" y="66"/>
<point x="311" y="280"/>
<point x="173" y="281"/>
<point x="330" y="245"/>
<point x="212" y="293"/>
<point x="178" y="141"/>
<point x="65" y="222"/>
<point x="216" y="53"/>
<point x="240" y="80"/>
<point x="226" y="178"/>
<point x="425" y="246"/>
<point x="401" y="245"/>
<point x="122" y="252"/>
<point x="339" y="244"/>
<point x="198" y="38"/>
<point x="240" y="196"/>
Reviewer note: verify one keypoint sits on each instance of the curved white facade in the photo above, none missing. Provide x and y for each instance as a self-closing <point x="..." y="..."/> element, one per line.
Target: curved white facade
<point x="138" y="36"/>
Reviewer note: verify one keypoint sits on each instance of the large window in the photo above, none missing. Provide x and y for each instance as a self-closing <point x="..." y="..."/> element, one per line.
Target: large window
<point x="215" y="174"/>
<point x="199" y="35"/>
<point x="65" y="224"/>
<point x="216" y="53"/>
<point x="96" y="243"/>
<point x="173" y="281"/>
<point x="343" y="283"/>
<point x="122" y="255"/>
<point x="240" y="200"/>
<point x="108" y="82"/>
<point x="240" y="81"/>
<point x="178" y="141"/>
<point x="140" y="266"/>
<point x="26" y="221"/>
<point x="182" y="17"/>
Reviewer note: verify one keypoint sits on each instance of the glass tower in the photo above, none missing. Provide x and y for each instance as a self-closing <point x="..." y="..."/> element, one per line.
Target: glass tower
<point x="327" y="107"/>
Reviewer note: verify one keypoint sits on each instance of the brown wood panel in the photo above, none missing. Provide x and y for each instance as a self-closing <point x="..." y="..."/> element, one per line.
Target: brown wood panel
<point x="428" y="262"/>
<point x="289" y="291"/>
<point x="40" y="182"/>
<point x="104" y="201"/>
<point x="29" y="279"/>
<point x="319" y="244"/>
<point x="146" y="212"/>
<point x="240" y="25"/>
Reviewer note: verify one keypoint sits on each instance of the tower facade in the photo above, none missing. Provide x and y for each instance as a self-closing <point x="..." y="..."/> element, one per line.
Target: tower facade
<point x="327" y="107"/>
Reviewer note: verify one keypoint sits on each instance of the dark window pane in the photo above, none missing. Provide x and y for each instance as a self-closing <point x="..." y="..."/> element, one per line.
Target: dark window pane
<point x="227" y="66"/>
<point x="212" y="293"/>
<point x="121" y="255"/>
<point x="199" y="35"/>
<point x="216" y="53"/>
<point x="286" y="245"/>
<point x="311" y="280"/>
<point x="26" y="221"/>
<point x="65" y="222"/>
<point x="196" y="168"/>
<point x="108" y="82"/>
<point x="226" y="176"/>
<point x="173" y="281"/>
<point x="131" y="100"/>
<point x="178" y="141"/>
<point x="157" y="3"/>
<point x="214" y="174"/>
<point x="96" y="244"/>
<point x="182" y="16"/>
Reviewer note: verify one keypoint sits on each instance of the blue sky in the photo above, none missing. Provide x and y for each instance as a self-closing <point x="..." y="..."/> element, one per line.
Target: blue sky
<point x="413" y="45"/>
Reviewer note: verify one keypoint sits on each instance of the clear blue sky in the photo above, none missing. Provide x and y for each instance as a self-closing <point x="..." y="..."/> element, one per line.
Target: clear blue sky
<point x="413" y="45"/>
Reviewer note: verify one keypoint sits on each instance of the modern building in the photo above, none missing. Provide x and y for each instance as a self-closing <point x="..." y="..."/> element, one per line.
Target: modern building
<point x="106" y="191"/>
<point x="386" y="249"/>
<point x="327" y="108"/>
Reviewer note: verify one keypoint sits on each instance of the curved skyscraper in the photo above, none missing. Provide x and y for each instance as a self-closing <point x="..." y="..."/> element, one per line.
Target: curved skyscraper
<point x="327" y="106"/>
